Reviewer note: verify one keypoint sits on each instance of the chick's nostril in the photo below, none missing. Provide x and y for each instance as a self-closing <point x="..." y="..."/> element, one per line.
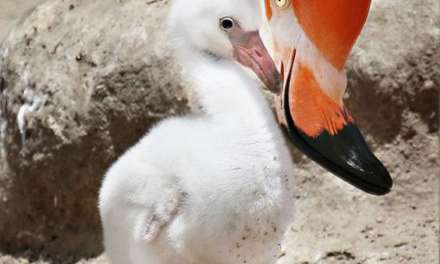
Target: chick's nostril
<point x="258" y="53"/>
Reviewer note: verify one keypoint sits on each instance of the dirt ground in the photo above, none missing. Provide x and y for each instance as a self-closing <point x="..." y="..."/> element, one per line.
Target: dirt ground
<point x="400" y="228"/>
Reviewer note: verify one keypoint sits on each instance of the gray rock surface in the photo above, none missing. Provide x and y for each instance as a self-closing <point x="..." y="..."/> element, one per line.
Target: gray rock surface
<point x="97" y="74"/>
<point x="11" y="11"/>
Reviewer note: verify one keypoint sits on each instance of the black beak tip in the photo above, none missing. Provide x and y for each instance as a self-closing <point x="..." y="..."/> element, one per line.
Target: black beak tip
<point x="380" y="178"/>
<point x="352" y="160"/>
<point x="346" y="155"/>
<point x="357" y="163"/>
<point x="374" y="178"/>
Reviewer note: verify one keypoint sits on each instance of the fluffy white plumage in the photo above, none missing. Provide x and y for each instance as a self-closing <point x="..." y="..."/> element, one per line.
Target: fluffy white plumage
<point x="209" y="188"/>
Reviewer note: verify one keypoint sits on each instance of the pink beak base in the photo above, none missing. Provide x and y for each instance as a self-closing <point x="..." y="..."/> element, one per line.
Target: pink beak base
<point x="249" y="50"/>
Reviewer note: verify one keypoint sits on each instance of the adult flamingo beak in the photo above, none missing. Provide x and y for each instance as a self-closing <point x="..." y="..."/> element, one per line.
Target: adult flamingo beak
<point x="312" y="41"/>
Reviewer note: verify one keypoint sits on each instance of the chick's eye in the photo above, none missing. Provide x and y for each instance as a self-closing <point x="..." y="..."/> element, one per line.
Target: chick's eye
<point x="282" y="3"/>
<point x="227" y="23"/>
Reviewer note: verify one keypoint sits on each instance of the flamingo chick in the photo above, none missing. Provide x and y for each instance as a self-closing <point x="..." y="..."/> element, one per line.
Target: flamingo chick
<point x="209" y="188"/>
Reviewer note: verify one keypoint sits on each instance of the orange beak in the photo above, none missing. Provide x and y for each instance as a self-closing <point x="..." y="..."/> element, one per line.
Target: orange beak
<point x="332" y="25"/>
<point x="312" y="41"/>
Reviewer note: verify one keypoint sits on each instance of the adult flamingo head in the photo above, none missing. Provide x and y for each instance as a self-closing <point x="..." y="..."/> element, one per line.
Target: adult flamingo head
<point x="312" y="40"/>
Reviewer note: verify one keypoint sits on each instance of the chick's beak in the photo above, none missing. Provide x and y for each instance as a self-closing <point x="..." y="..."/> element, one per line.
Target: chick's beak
<point x="250" y="51"/>
<point x="312" y="106"/>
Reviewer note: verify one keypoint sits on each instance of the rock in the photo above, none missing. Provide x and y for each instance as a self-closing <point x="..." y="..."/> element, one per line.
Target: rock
<point x="11" y="11"/>
<point x="81" y="81"/>
<point x="395" y="68"/>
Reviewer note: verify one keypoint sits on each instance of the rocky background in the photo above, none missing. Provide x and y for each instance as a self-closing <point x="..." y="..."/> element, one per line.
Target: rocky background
<point x="81" y="81"/>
